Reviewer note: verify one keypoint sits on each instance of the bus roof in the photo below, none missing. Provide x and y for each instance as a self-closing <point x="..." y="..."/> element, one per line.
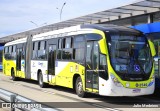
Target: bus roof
<point x="89" y="27"/>
<point x="110" y="28"/>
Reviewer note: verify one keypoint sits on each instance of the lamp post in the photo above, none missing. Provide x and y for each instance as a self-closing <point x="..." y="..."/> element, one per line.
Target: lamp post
<point x="61" y="10"/>
<point x="37" y="24"/>
<point x="34" y="23"/>
<point x="44" y="24"/>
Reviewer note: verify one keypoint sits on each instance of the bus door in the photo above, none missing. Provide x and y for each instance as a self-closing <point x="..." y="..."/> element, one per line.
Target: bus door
<point x="92" y="66"/>
<point x="51" y="63"/>
<point x="18" y="61"/>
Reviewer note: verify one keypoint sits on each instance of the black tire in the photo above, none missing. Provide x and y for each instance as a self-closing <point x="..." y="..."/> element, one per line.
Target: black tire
<point x="13" y="75"/>
<point x="79" y="87"/>
<point x="40" y="80"/>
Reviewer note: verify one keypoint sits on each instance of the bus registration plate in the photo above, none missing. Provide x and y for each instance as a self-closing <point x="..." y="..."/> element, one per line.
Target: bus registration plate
<point x="136" y="90"/>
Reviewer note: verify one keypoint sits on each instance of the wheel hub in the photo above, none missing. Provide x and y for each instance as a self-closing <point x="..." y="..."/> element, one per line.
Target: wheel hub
<point x="79" y="87"/>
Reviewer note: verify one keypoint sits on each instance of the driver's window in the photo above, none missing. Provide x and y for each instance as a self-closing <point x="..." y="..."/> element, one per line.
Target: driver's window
<point x="103" y="73"/>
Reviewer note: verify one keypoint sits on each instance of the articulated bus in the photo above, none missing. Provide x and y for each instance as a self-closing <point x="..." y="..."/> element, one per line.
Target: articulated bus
<point x="106" y="60"/>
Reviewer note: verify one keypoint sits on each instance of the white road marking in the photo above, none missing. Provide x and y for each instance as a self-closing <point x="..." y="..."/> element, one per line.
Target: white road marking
<point x="110" y="109"/>
<point x="49" y="92"/>
<point x="98" y="105"/>
<point x="17" y="84"/>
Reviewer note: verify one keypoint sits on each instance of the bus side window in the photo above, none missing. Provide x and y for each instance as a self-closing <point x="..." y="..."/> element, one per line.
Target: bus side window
<point x="35" y="48"/>
<point x="10" y="51"/>
<point x="6" y="52"/>
<point x="103" y="67"/>
<point x="23" y="52"/>
<point x="59" y="49"/>
<point x="68" y="43"/>
<point x="13" y="54"/>
<point x="79" y="48"/>
<point x="42" y="50"/>
<point x="67" y="49"/>
<point x="63" y="42"/>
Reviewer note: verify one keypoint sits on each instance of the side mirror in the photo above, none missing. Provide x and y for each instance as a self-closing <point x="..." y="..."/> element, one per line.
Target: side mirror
<point x="153" y="51"/>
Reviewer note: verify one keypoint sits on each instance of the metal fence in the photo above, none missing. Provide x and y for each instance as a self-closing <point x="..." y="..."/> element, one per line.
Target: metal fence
<point x="15" y="101"/>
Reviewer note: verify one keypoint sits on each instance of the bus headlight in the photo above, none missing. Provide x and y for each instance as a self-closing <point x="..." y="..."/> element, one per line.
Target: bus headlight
<point x="116" y="81"/>
<point x="127" y="84"/>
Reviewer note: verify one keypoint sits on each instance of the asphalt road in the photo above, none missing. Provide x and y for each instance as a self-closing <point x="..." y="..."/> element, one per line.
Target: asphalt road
<point x="65" y="99"/>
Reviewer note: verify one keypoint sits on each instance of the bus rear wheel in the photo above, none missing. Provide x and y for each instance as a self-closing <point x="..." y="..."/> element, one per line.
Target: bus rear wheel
<point x="79" y="87"/>
<point x="13" y="75"/>
<point x="40" y="80"/>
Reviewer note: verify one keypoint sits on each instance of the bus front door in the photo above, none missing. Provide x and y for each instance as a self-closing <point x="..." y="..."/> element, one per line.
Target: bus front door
<point x="51" y="63"/>
<point x="92" y="67"/>
<point x="18" y="62"/>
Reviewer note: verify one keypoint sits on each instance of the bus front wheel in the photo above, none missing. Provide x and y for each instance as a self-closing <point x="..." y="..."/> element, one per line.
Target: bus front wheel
<point x="79" y="87"/>
<point x="13" y="75"/>
<point x="40" y="80"/>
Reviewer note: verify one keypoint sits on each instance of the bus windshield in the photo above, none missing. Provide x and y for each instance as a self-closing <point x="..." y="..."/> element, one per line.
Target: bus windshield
<point x="130" y="54"/>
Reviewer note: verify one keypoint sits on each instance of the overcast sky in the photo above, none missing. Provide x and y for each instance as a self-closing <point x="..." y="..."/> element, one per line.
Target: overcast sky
<point x="15" y="15"/>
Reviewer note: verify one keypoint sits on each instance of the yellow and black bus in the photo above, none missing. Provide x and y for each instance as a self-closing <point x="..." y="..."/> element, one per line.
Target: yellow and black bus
<point x="106" y="60"/>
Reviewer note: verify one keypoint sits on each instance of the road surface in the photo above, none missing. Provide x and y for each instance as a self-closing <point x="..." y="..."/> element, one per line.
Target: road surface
<point x="65" y="99"/>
